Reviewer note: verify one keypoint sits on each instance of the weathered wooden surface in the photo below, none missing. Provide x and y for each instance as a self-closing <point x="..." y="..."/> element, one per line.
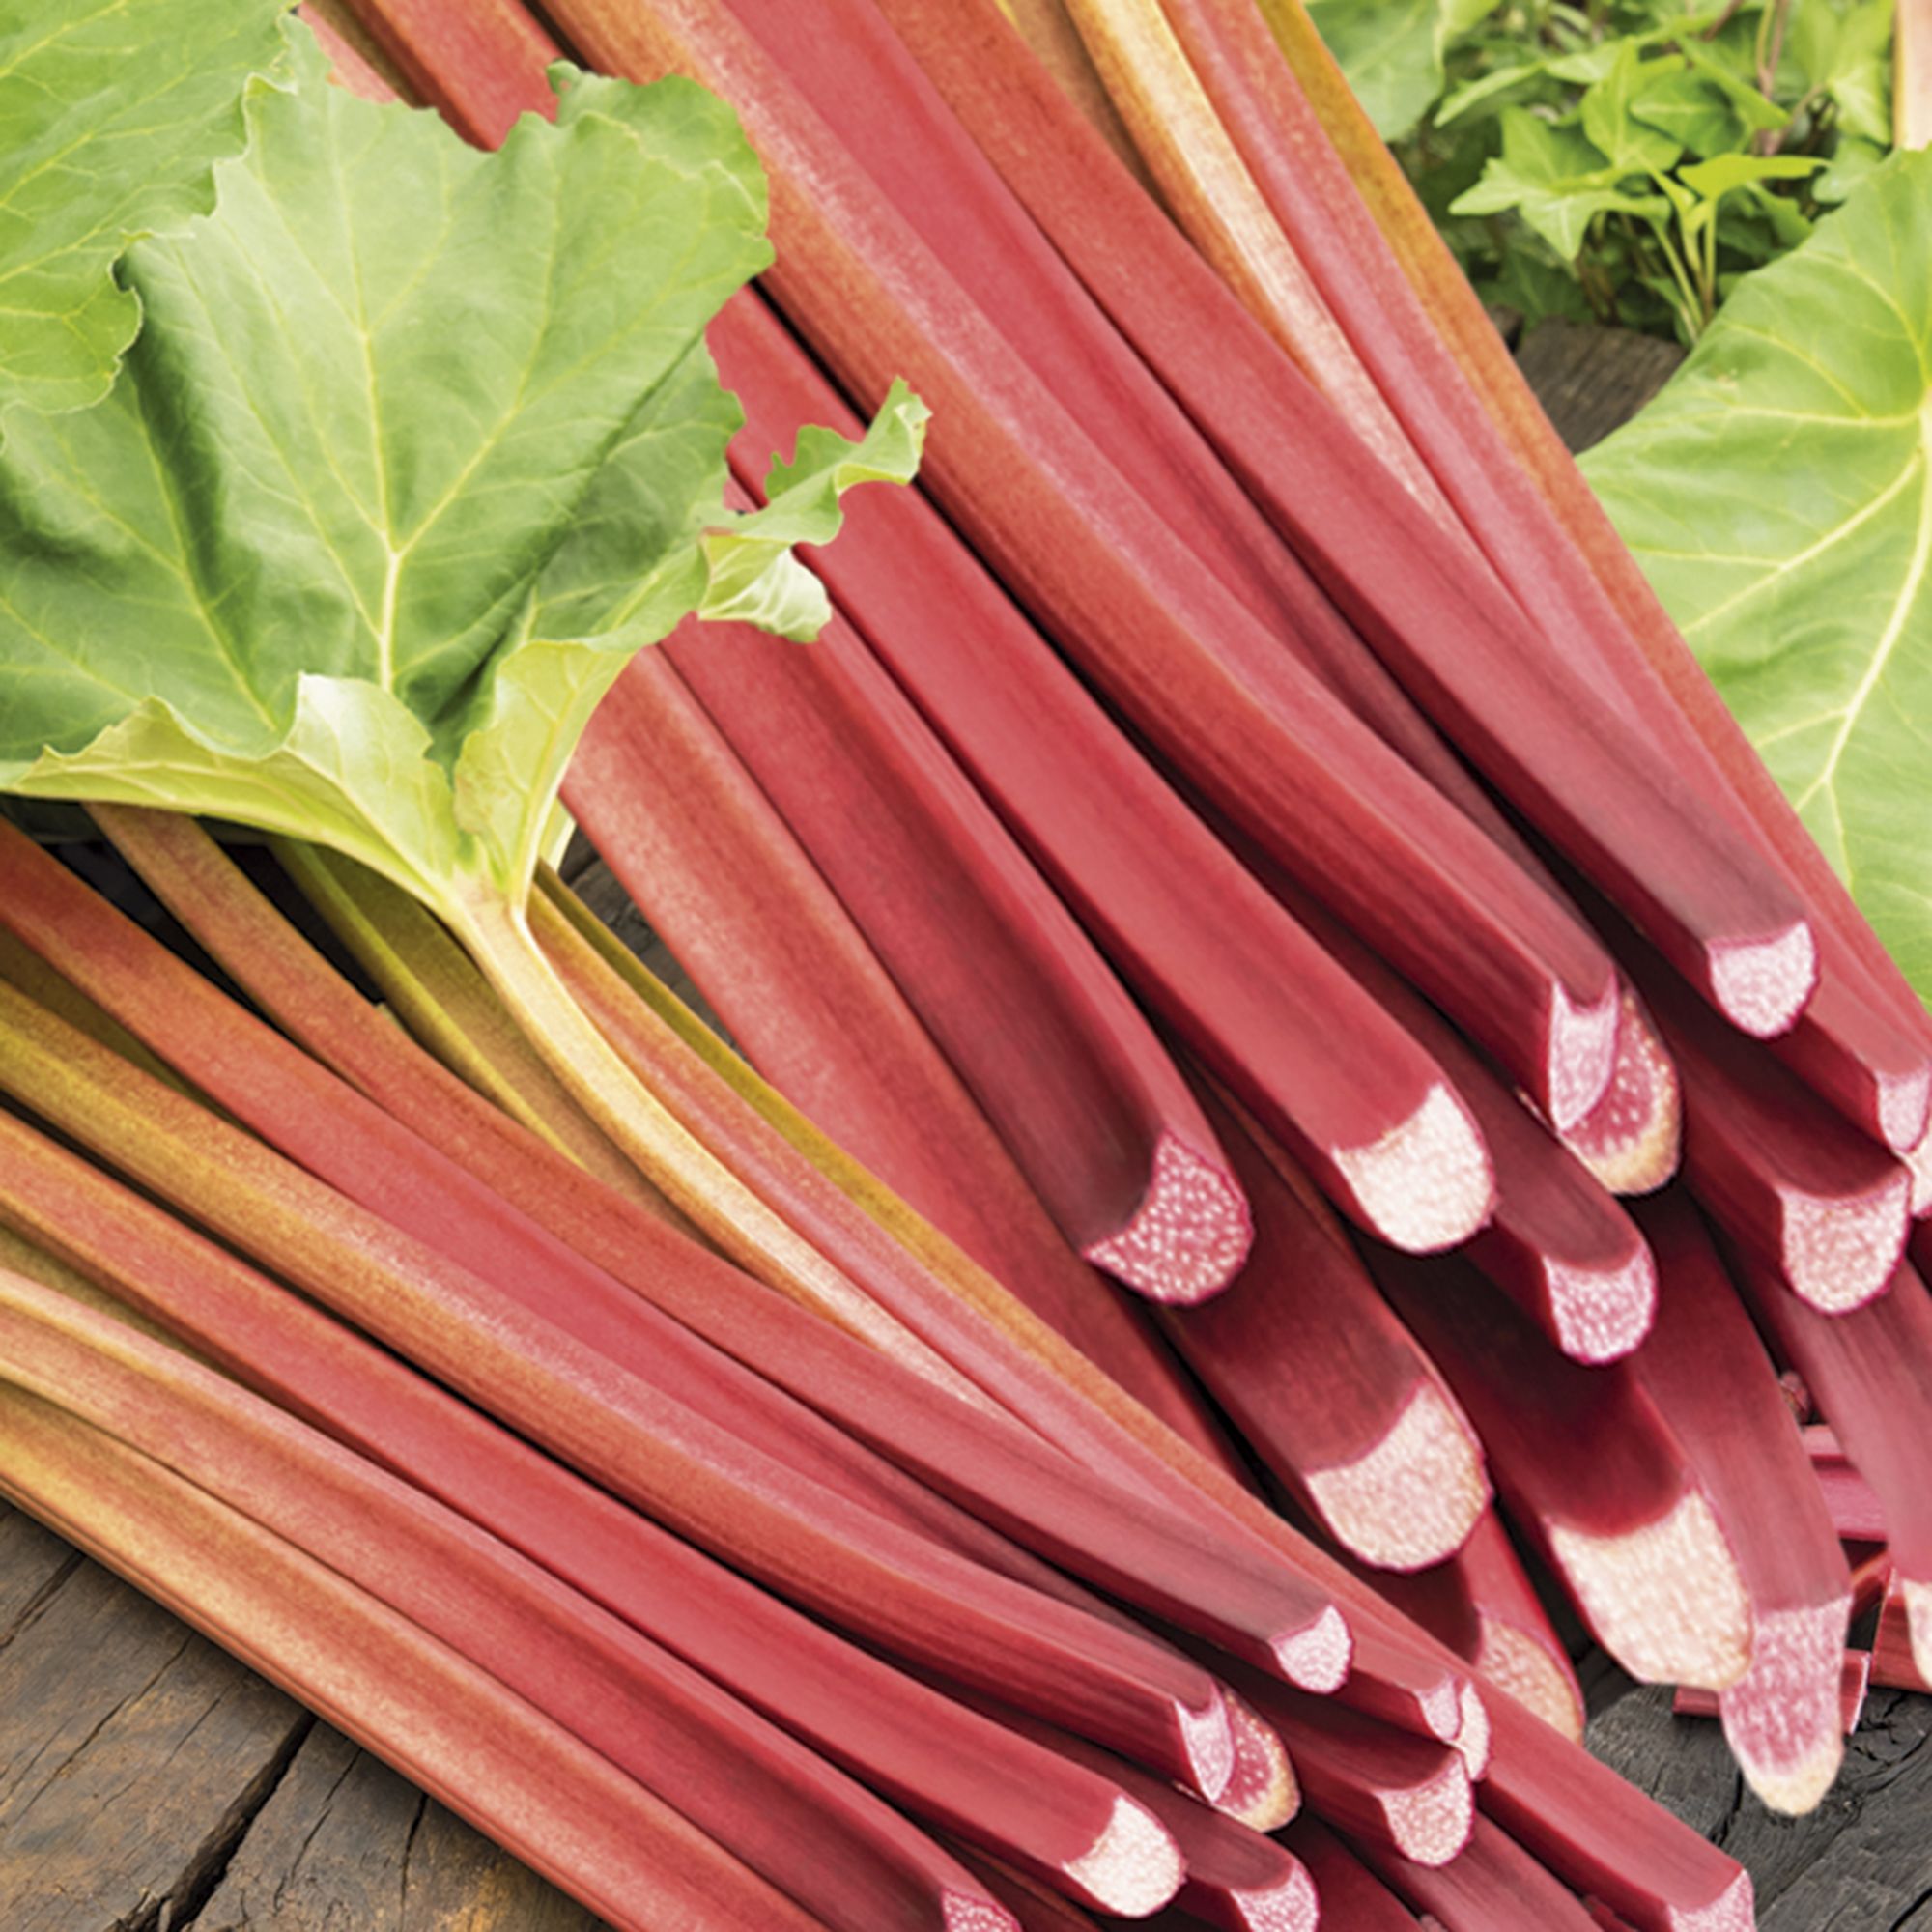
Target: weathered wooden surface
<point x="1591" y="380"/>
<point x="148" y="1784"/>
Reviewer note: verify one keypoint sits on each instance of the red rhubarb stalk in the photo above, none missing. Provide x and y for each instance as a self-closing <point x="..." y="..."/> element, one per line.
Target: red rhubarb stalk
<point x="1235" y="1877"/>
<point x="450" y="1727"/>
<point x="1322" y="1381"/>
<point x="1778" y="1172"/>
<point x="1263" y="1792"/>
<point x="717" y="852"/>
<point x="1633" y="1138"/>
<point x="1493" y="1885"/>
<point x="1110" y="578"/>
<point x="1896" y="1653"/>
<point x="1482" y="1606"/>
<point x="843" y="1855"/>
<point x="1375" y="1783"/>
<point x="1853" y="1505"/>
<point x="925" y="1751"/>
<point x="1707" y="1373"/>
<point x="1351" y="1895"/>
<point x="1856" y="1677"/>
<point x="1590" y="1472"/>
<point x="1556" y="1244"/>
<point x="698" y="1477"/>
<point x="963" y="1451"/>
<point x="1872" y="1373"/>
<point x="1199" y="941"/>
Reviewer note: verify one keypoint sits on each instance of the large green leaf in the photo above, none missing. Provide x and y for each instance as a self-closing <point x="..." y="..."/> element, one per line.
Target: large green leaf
<point x="1777" y="494"/>
<point x="112" y="115"/>
<point x="416" y="446"/>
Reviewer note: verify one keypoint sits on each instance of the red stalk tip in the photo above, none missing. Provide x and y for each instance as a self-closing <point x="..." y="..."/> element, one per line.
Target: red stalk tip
<point x="1839" y="1251"/>
<point x="1190" y="1236"/>
<point x="1412" y="1497"/>
<point x="1315" y="1659"/>
<point x="1134" y="1867"/>
<point x="1426" y="1184"/>
<point x="1600" y="1314"/>
<point x="1632" y="1138"/>
<point x="1761" y="986"/>
<point x="1582" y="1055"/>
<point x="1784" y="1719"/>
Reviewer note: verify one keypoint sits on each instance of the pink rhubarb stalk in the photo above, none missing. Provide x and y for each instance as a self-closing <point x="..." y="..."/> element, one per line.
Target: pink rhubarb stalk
<point x="1590" y="1472"/>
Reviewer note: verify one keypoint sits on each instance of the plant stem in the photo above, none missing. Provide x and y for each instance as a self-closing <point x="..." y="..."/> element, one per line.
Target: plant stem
<point x="497" y="937"/>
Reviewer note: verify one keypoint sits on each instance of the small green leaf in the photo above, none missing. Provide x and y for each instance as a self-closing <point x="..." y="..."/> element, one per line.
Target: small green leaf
<point x="1498" y="80"/>
<point x="1723" y="173"/>
<point x="1392" y="51"/>
<point x="112" y="116"/>
<point x="1854" y="160"/>
<point x="1629" y="145"/>
<point x="1555" y="179"/>
<point x="1690" y="108"/>
<point x="1758" y="115"/>
<point x="1777" y="493"/>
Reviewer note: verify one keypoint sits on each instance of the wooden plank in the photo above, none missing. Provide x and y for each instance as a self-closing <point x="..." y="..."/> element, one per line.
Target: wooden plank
<point x="345" y="1843"/>
<point x="1593" y="379"/>
<point x="1861" y="1862"/>
<point x="132" y="1753"/>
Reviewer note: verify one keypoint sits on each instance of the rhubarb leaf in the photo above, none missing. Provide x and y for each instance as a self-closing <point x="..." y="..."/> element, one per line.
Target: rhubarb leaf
<point x="1777" y="494"/>
<point x="112" y="116"/>
<point x="416" y="446"/>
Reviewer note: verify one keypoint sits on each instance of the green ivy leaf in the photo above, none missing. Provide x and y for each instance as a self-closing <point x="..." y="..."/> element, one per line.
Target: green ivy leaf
<point x="1555" y="179"/>
<point x="1629" y="145"/>
<point x="416" y="445"/>
<point x="112" y="116"/>
<point x="1392" y="51"/>
<point x="1690" y="108"/>
<point x="1777" y="493"/>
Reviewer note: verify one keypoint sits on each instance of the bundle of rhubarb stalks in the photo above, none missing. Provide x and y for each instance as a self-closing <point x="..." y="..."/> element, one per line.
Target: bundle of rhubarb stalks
<point x="1289" y="1058"/>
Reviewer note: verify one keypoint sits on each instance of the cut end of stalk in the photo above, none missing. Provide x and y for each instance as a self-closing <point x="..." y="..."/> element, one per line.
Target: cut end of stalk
<point x="1903" y="1102"/>
<point x="1602" y="1314"/>
<point x="1315" y="1658"/>
<point x="1207" y="1738"/>
<point x="1292" y="1905"/>
<point x="1415" y="1496"/>
<point x="1582" y="1056"/>
<point x="1632" y="1138"/>
<point x="1784" y="1719"/>
<point x="1429" y="1823"/>
<point x="1133" y="1867"/>
<point x="1761" y="984"/>
<point x="1190" y="1236"/>
<point x="1917" y="1163"/>
<point x="1666" y="1600"/>
<point x="1427" y="1183"/>
<point x="1733" y="1910"/>
<point x="959" y="1912"/>
<point x="1918" y="1623"/>
<point x="1264" y="1793"/>
<point x="1840" y="1252"/>
<point x="1517" y="1664"/>
<point x="1475" y="1736"/>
